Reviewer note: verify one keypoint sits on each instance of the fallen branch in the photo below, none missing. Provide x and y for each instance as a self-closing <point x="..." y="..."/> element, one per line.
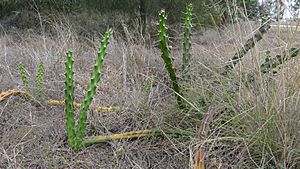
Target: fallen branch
<point x="5" y="94"/>
<point x="99" y="108"/>
<point x="136" y="134"/>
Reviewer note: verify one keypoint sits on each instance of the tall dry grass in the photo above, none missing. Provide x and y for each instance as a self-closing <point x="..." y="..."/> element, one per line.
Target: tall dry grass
<point x="255" y="124"/>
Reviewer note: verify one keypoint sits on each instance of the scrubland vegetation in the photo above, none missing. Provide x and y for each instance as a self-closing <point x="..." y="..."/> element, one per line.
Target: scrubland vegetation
<point x="170" y="97"/>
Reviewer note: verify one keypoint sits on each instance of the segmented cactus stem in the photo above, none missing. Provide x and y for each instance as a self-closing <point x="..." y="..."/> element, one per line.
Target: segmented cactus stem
<point x="96" y="76"/>
<point x="39" y="79"/>
<point x="271" y="64"/>
<point x="24" y="76"/>
<point x="250" y="43"/>
<point x="187" y="41"/>
<point x="69" y="99"/>
<point x="163" y="45"/>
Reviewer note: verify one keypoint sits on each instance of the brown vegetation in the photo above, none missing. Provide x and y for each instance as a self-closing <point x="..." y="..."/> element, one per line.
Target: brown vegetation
<point x="258" y="126"/>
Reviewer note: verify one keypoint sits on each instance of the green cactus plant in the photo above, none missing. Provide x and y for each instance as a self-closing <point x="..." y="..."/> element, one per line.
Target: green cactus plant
<point x="69" y="99"/>
<point x="271" y="64"/>
<point x="75" y="137"/>
<point x="163" y="45"/>
<point x="39" y="79"/>
<point x="187" y="41"/>
<point x="24" y="76"/>
<point x="76" y="134"/>
<point x="250" y="43"/>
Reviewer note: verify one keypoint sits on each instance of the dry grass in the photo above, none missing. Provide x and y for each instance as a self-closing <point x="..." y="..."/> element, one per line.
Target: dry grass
<point x="33" y="135"/>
